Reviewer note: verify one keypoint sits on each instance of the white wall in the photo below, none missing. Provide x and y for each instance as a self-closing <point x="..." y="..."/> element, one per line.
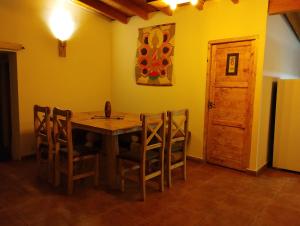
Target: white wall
<point x="282" y="60"/>
<point x="282" y="53"/>
<point x="287" y="142"/>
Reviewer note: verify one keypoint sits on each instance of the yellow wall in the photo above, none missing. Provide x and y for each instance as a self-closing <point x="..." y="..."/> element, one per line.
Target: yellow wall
<point x="194" y="28"/>
<point x="81" y="81"/>
<point x="282" y="53"/>
<point x="101" y="58"/>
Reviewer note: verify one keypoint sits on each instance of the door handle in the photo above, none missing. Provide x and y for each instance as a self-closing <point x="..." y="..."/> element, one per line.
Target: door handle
<point x="211" y="105"/>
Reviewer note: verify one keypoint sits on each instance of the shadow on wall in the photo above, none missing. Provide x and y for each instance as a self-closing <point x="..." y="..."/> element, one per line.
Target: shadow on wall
<point x="272" y="124"/>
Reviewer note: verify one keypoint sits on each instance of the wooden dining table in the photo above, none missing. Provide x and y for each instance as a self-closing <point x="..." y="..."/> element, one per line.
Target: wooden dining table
<point x="110" y="128"/>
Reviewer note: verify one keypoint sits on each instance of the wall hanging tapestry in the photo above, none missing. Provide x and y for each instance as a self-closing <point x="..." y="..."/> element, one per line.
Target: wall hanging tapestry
<point x="154" y="55"/>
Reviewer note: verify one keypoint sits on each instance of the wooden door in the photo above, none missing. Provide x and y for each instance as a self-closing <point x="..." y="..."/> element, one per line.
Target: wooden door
<point x="230" y="103"/>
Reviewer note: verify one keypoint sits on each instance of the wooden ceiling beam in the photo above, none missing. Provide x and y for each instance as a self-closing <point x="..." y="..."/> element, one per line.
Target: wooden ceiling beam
<point x="283" y="6"/>
<point x="166" y="10"/>
<point x="200" y="4"/>
<point x="161" y="6"/>
<point x="294" y="21"/>
<point x="132" y="7"/>
<point x="104" y="9"/>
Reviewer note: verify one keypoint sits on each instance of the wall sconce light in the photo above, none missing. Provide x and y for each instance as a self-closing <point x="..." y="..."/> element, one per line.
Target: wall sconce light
<point x="62" y="27"/>
<point x="173" y="3"/>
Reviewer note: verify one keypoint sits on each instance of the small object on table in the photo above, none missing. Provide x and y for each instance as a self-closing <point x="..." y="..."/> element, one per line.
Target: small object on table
<point x="107" y="109"/>
<point x="104" y="117"/>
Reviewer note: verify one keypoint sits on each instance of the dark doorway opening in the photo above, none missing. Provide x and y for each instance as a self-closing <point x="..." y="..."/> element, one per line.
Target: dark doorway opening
<point x="5" y="109"/>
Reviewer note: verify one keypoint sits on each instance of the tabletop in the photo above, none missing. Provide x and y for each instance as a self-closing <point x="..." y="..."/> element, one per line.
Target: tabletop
<point x="118" y="123"/>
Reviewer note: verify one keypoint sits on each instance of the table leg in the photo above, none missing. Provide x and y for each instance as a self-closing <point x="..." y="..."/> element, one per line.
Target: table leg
<point x="112" y="150"/>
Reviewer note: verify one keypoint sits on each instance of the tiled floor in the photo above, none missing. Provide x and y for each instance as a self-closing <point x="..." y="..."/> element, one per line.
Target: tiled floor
<point x="211" y="196"/>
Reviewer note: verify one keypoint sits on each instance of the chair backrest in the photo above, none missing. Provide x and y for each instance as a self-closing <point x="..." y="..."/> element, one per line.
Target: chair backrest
<point x="153" y="132"/>
<point x="178" y="122"/>
<point x="42" y="126"/>
<point x="62" y="129"/>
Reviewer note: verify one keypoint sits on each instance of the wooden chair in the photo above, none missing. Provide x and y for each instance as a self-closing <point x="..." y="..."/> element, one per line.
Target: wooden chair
<point x="43" y="138"/>
<point x="177" y="139"/>
<point x="73" y="156"/>
<point x="151" y="151"/>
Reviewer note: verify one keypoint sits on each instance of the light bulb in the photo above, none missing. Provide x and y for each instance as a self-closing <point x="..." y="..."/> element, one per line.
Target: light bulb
<point x="194" y="2"/>
<point x="173" y="5"/>
<point x="61" y="24"/>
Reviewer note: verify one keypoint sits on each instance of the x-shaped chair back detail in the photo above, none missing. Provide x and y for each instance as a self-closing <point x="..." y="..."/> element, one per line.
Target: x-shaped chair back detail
<point x="177" y="140"/>
<point x="153" y="132"/>
<point x="178" y="125"/>
<point x="63" y="129"/>
<point x="43" y="136"/>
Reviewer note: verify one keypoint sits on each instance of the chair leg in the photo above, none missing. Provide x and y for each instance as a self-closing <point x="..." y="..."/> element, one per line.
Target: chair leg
<point x="143" y="184"/>
<point x="50" y="175"/>
<point x="169" y="177"/>
<point x="161" y="183"/>
<point x="122" y="175"/>
<point x="143" y="190"/>
<point x="169" y="171"/>
<point x="162" y="180"/>
<point x="70" y="184"/>
<point x="56" y="170"/>
<point x="39" y="168"/>
<point x="184" y="166"/>
<point x="70" y="175"/>
<point x="50" y="163"/>
<point x="38" y="160"/>
<point x="184" y="170"/>
<point x="96" y="177"/>
<point x="148" y="167"/>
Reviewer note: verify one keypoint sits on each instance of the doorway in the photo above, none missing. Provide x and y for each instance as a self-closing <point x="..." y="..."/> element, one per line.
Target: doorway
<point x="230" y="91"/>
<point x="5" y="109"/>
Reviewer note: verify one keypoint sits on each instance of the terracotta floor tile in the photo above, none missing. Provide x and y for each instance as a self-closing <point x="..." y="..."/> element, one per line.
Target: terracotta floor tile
<point x="292" y="186"/>
<point x="10" y="218"/>
<point x="279" y="215"/>
<point x="175" y="216"/>
<point x="118" y="216"/>
<point x="288" y="200"/>
<point x="212" y="195"/>
<point x="228" y="217"/>
<point x="249" y="204"/>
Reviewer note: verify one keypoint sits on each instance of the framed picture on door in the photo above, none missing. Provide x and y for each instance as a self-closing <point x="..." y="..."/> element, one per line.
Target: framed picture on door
<point x="232" y="64"/>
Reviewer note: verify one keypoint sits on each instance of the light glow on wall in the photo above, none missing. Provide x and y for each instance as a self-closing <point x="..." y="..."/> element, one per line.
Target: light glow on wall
<point x="61" y="24"/>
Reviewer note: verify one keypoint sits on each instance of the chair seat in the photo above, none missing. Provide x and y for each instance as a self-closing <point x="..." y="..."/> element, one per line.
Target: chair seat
<point x="44" y="148"/>
<point x="176" y="156"/>
<point x="178" y="146"/>
<point x="81" y="150"/>
<point x="134" y="155"/>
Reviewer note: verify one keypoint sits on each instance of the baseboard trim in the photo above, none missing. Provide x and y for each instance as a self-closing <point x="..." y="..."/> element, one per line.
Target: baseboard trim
<point x="247" y="171"/>
<point x="258" y="172"/>
<point x="195" y="159"/>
